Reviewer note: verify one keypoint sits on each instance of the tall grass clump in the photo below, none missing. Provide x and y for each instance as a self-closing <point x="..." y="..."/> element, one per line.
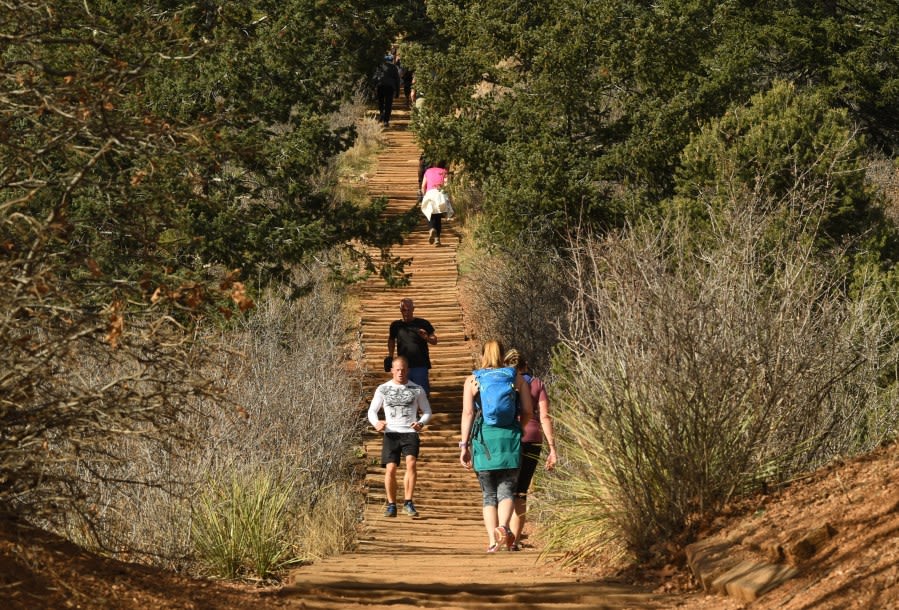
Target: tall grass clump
<point x="331" y="527"/>
<point x="695" y="371"/>
<point x="242" y="524"/>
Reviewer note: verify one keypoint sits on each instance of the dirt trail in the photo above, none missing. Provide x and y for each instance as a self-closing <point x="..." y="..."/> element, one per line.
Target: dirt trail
<point x="436" y="560"/>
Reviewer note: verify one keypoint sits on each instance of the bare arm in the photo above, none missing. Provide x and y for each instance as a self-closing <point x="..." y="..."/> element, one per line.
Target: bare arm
<point x="468" y="393"/>
<point x="431" y="338"/>
<point x="527" y="403"/>
<point x="546" y="423"/>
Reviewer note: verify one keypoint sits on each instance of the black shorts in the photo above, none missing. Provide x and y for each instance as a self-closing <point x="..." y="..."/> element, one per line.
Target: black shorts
<point x="530" y="455"/>
<point x="397" y="445"/>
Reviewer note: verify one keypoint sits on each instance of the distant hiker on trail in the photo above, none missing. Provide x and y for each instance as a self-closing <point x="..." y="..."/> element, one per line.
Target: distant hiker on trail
<point x="435" y="203"/>
<point x="540" y="426"/>
<point x="496" y="406"/>
<point x="387" y="83"/>
<point x="423" y="165"/>
<point x="408" y="78"/>
<point x="409" y="337"/>
<point x="401" y="69"/>
<point x="402" y="401"/>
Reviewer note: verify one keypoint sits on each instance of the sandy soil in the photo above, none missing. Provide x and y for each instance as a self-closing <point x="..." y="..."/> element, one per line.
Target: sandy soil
<point x="856" y="563"/>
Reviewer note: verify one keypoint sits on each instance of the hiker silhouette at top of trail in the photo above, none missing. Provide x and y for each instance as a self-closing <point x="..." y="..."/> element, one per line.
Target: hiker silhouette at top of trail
<point x="409" y="337"/>
<point x="539" y="427"/>
<point x="496" y="406"/>
<point x="387" y="83"/>
<point x="402" y="401"/>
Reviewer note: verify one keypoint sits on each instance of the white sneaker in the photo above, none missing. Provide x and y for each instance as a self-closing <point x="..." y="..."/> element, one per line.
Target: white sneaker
<point x="436" y="241"/>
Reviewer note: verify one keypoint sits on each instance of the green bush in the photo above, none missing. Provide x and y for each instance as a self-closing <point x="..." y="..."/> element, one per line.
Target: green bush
<point x="577" y="112"/>
<point x="785" y="139"/>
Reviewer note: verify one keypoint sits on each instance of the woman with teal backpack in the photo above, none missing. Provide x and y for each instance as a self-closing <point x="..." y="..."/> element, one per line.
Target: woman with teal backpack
<point x="496" y="406"/>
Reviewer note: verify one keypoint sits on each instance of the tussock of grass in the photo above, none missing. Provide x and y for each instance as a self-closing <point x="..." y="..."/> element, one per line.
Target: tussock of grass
<point x="241" y="525"/>
<point x="330" y="525"/>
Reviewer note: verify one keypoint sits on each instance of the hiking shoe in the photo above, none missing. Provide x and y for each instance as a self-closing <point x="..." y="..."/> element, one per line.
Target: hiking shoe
<point x="503" y="535"/>
<point x="436" y="241"/>
<point x="390" y="511"/>
<point x="410" y="509"/>
<point x="432" y="234"/>
<point x="515" y="547"/>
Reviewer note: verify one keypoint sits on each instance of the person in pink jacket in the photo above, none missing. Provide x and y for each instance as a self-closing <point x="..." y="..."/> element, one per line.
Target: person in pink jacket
<point x="433" y="178"/>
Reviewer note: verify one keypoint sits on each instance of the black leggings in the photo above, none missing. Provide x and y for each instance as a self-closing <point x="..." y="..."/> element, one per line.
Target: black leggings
<point x="530" y="454"/>
<point x="436" y="223"/>
<point x="385" y="103"/>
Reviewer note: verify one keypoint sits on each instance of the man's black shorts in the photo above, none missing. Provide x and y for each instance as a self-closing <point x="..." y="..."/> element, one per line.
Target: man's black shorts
<point x="397" y="445"/>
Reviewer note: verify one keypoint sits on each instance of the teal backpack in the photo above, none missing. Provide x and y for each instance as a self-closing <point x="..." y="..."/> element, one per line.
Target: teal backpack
<point x="497" y="397"/>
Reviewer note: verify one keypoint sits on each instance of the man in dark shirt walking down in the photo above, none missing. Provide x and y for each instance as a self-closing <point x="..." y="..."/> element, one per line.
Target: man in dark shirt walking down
<point x="410" y="337"/>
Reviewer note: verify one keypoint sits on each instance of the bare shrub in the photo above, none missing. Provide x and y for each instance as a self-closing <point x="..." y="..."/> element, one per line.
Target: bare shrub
<point x="692" y="373"/>
<point x="300" y="400"/>
<point x="291" y="419"/>
<point x="467" y="198"/>
<point x="88" y="371"/>
<point x="883" y="174"/>
<point x="354" y="166"/>
<point x="519" y="297"/>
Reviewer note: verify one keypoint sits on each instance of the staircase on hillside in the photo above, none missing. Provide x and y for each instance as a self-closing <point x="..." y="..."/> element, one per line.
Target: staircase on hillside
<point x="436" y="560"/>
<point x="445" y="491"/>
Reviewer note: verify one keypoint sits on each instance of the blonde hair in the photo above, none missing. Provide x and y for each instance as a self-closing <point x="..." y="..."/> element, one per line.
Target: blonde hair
<point x="513" y="358"/>
<point x="492" y="355"/>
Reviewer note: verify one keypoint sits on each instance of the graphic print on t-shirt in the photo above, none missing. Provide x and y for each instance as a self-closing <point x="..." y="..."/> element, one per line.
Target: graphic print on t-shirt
<point x="399" y="403"/>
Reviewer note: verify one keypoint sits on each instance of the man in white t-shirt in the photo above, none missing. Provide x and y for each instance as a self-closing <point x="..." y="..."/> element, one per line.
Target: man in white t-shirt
<point x="402" y="401"/>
